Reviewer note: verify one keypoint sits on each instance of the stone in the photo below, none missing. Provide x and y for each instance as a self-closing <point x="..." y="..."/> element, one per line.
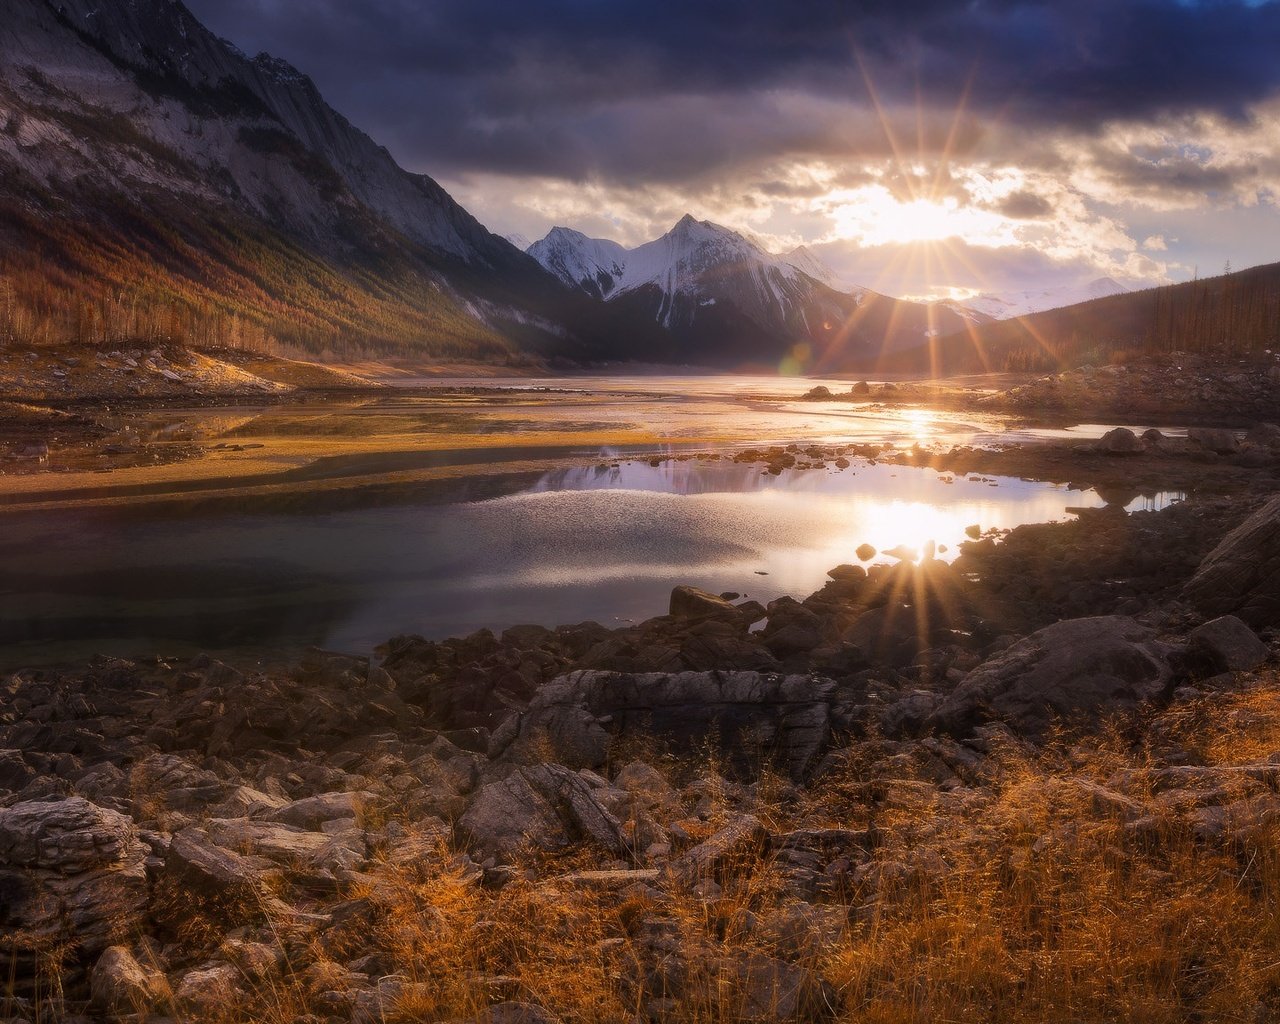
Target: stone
<point x="312" y="812"/>
<point x="735" y="847"/>
<point x="1241" y="576"/>
<point x="515" y="1013"/>
<point x="121" y="985"/>
<point x="69" y="835"/>
<point x="1223" y="442"/>
<point x="1071" y="669"/>
<point x="1267" y="434"/>
<point x="847" y="572"/>
<point x="228" y="884"/>
<point x="1229" y="644"/>
<point x="767" y="989"/>
<point x="644" y="783"/>
<point x="691" y="603"/>
<point x="1119" y="441"/>
<point x="865" y="552"/>
<point x="505" y="816"/>
<point x="755" y="716"/>
<point x="71" y="872"/>
<point x="208" y="989"/>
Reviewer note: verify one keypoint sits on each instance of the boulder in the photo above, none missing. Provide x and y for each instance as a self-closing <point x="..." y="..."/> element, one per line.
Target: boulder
<point x="865" y="552"/>
<point x="1228" y="644"/>
<point x="1267" y="434"/>
<point x="754" y="716"/>
<point x="224" y="883"/>
<point x="69" y="835"/>
<point x="544" y="806"/>
<point x="692" y="603"/>
<point x="1241" y="576"/>
<point x="1075" y="668"/>
<point x="120" y="985"/>
<point x="1119" y="441"/>
<point x="1224" y="442"/>
<point x="313" y="811"/>
<point x="70" y="872"/>
<point x="505" y="816"/>
<point x="209" y="989"/>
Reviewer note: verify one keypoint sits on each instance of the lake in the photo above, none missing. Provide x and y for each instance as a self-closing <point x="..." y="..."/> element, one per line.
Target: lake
<point x="594" y="533"/>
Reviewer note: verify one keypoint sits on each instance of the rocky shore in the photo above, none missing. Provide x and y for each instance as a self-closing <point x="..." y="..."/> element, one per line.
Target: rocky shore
<point x="727" y="812"/>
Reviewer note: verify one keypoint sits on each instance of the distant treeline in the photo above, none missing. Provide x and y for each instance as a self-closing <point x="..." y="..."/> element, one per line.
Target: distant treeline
<point x="1234" y="315"/>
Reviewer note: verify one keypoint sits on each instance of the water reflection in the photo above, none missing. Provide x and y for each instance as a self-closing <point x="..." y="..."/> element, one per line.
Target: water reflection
<point x="603" y="542"/>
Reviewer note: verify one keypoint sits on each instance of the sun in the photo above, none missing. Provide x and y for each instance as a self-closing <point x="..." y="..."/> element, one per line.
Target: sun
<point x="872" y="215"/>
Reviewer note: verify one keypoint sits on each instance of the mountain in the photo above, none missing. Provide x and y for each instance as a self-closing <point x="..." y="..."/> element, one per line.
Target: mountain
<point x="1015" y="304"/>
<point x="1235" y="315"/>
<point x="723" y="299"/>
<point x="594" y="265"/>
<point x="154" y="180"/>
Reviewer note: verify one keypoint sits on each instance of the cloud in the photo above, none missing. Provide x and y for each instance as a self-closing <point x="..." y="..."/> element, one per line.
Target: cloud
<point x="1040" y="132"/>
<point x="654" y="89"/>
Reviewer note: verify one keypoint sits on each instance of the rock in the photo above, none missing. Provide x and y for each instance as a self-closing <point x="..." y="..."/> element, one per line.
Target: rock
<point x="1241" y="575"/>
<point x="768" y="989"/>
<point x="1078" y="667"/>
<point x="121" y="985"/>
<point x="846" y="572"/>
<point x="865" y="552"/>
<point x="754" y="715"/>
<point x="227" y="884"/>
<point x="1267" y="434"/>
<point x="819" y="392"/>
<point x="505" y="816"/>
<point x="1119" y="441"/>
<point x="1229" y="645"/>
<point x="208" y="989"/>
<point x="71" y="872"/>
<point x="69" y="835"/>
<point x="645" y="784"/>
<point x="692" y="603"/>
<point x="313" y="811"/>
<point x="515" y="1013"/>
<point x="903" y="553"/>
<point x="735" y="847"/>
<point x="1224" y="442"/>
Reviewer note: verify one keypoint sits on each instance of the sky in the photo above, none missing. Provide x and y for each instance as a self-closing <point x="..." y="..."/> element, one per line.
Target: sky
<point x="923" y="148"/>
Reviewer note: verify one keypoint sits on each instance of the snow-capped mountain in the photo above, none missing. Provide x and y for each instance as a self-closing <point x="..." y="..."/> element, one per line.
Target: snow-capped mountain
<point x="715" y="289"/>
<point x="1016" y="304"/>
<point x="593" y="264"/>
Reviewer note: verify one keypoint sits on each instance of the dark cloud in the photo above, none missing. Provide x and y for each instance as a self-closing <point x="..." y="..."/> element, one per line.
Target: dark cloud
<point x="1025" y="206"/>
<point x="631" y="91"/>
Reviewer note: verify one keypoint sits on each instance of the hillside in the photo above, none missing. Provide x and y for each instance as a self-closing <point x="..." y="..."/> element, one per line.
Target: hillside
<point x="157" y="184"/>
<point x="1233" y="315"/>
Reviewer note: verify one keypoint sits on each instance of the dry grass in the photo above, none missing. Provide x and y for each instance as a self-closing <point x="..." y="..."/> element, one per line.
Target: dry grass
<point x="1060" y="885"/>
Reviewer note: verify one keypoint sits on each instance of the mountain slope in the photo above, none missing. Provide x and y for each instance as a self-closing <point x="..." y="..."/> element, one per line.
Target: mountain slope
<point x="1015" y="304"/>
<point x="1233" y="315"/>
<point x="154" y="179"/>
<point x="724" y="300"/>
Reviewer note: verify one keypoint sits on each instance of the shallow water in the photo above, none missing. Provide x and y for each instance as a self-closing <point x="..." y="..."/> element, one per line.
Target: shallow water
<point x="605" y="542"/>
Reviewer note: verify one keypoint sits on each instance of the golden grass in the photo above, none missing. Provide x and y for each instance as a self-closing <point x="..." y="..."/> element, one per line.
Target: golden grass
<point x="1061" y="886"/>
